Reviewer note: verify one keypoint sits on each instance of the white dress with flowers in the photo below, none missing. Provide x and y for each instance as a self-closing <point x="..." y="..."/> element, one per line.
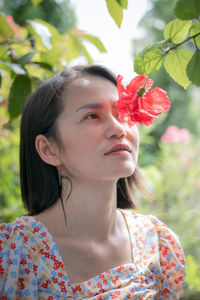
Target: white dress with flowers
<point x="31" y="266"/>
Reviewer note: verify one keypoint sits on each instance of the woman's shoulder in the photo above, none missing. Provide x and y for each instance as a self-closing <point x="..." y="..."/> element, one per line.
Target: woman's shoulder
<point x="21" y="243"/>
<point x="23" y="231"/>
<point x="152" y="230"/>
<point x="10" y="231"/>
<point x="24" y="253"/>
<point x="159" y="248"/>
<point x="142" y="222"/>
<point x="18" y="224"/>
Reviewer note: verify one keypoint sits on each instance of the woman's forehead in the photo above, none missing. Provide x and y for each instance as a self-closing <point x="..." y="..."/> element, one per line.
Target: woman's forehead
<point x="90" y="82"/>
<point x="90" y="89"/>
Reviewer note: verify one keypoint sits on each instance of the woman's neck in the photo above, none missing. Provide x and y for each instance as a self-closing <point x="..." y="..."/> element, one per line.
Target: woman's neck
<point x="90" y="211"/>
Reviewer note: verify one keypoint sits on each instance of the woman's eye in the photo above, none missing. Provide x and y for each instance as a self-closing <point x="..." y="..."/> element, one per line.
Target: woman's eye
<point x="91" y="116"/>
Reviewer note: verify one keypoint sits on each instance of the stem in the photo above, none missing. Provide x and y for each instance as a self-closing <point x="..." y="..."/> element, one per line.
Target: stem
<point x="195" y="44"/>
<point x="179" y="44"/>
<point x="146" y="81"/>
<point x="9" y="42"/>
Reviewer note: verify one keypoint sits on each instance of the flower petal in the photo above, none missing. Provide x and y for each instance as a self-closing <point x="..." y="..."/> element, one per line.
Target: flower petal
<point x="142" y="118"/>
<point x="120" y="86"/>
<point x="137" y="83"/>
<point x="156" y="101"/>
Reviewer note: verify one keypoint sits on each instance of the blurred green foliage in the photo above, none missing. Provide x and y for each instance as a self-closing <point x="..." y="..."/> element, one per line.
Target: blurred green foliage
<point x="10" y="195"/>
<point x="59" y="14"/>
<point x="174" y="178"/>
<point x="36" y="49"/>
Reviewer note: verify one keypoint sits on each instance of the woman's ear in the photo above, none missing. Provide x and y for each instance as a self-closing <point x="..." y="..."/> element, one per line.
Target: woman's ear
<point x="47" y="150"/>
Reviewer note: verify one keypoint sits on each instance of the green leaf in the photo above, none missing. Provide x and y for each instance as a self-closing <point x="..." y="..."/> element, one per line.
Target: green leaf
<point x="158" y="44"/>
<point x="187" y="9"/>
<point x="139" y="65"/>
<point x="115" y="11"/>
<point x="4" y="53"/>
<point x="175" y="64"/>
<point x="19" y="91"/>
<point x="194" y="30"/>
<point x="41" y="32"/>
<point x="95" y="41"/>
<point x="0" y="80"/>
<point x="36" y="2"/>
<point x="42" y="65"/>
<point x="177" y="30"/>
<point x="53" y="30"/>
<point x="73" y="47"/>
<point x="38" y="71"/>
<point x="138" y="62"/>
<point x="53" y="55"/>
<point x="123" y="3"/>
<point x="192" y="277"/>
<point x="50" y="55"/>
<point x="5" y="29"/>
<point x="16" y="68"/>
<point x="25" y="59"/>
<point x="151" y="62"/>
<point x="86" y="54"/>
<point x="193" y="68"/>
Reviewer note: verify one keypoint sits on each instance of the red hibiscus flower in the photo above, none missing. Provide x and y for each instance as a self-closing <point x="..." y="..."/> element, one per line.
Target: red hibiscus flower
<point x="137" y="103"/>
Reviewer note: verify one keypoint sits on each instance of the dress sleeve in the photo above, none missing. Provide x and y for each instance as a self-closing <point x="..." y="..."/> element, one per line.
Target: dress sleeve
<point x="15" y="265"/>
<point x="172" y="262"/>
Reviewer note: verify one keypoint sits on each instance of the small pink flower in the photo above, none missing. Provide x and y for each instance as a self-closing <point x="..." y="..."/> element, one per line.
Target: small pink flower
<point x="174" y="134"/>
<point x="198" y="185"/>
<point x="137" y="103"/>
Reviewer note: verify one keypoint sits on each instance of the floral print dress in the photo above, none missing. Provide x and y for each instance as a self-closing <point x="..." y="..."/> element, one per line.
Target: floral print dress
<point x="31" y="266"/>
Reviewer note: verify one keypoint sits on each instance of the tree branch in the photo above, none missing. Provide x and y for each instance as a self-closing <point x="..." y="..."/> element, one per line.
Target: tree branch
<point x="179" y="44"/>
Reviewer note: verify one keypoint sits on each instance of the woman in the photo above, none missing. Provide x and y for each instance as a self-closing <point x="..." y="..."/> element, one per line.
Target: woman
<point x="78" y="162"/>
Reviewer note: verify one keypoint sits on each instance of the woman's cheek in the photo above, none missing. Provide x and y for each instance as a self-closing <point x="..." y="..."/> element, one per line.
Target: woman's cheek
<point x="133" y="134"/>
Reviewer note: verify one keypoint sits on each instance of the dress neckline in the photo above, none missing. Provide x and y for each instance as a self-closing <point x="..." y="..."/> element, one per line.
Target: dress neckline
<point x="105" y="273"/>
<point x="129" y="233"/>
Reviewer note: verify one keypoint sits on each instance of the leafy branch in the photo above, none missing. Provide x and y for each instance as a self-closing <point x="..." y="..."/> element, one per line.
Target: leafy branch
<point x="181" y="64"/>
<point x="174" y="47"/>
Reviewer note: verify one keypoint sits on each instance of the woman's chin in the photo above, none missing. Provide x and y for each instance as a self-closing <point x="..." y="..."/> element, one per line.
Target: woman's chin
<point x="122" y="173"/>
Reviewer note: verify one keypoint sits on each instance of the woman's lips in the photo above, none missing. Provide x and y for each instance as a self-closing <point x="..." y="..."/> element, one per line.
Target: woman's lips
<point x="119" y="148"/>
<point x="119" y="152"/>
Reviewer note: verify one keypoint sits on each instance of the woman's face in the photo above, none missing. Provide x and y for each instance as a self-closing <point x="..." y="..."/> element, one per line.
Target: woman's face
<point x="88" y="128"/>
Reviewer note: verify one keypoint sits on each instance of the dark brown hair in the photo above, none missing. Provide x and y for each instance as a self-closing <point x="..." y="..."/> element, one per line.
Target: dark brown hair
<point x="39" y="181"/>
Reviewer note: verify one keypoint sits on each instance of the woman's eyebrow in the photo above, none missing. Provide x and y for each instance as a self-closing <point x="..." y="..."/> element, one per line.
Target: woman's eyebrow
<point x="92" y="105"/>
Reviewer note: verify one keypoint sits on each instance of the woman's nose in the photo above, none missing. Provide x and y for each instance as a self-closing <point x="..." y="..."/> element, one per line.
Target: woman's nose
<point x="114" y="128"/>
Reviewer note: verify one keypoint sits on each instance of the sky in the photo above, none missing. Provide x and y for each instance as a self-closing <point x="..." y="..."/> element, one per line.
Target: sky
<point x="93" y="17"/>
